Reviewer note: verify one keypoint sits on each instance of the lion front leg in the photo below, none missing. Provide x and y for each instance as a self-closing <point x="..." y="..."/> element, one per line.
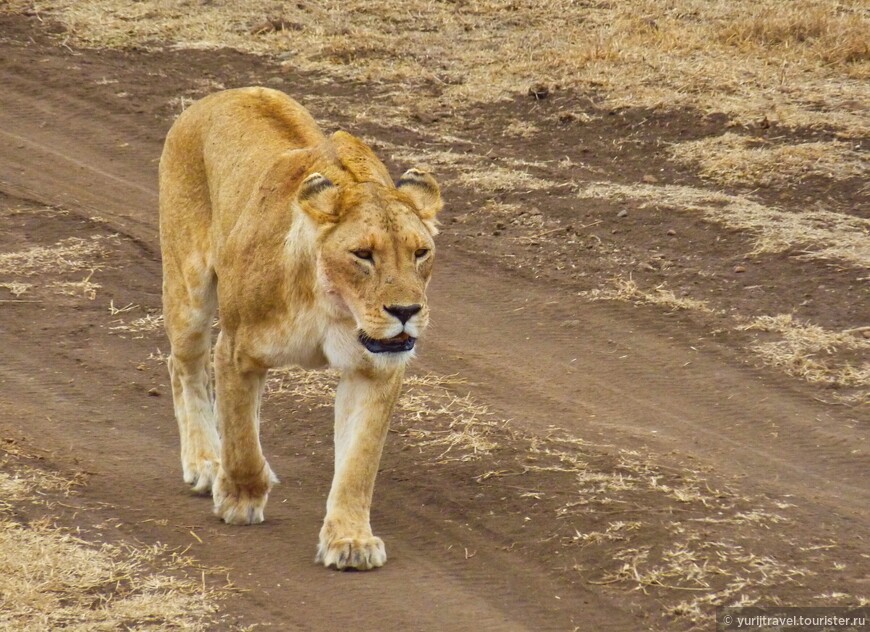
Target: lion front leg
<point x="363" y="405"/>
<point x="243" y="482"/>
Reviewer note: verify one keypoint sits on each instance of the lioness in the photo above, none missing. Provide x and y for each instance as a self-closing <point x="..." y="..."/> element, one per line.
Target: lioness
<point x="315" y="258"/>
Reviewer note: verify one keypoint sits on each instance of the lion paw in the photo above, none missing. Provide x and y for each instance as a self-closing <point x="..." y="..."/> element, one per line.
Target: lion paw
<point x="242" y="503"/>
<point x="201" y="474"/>
<point x="361" y="554"/>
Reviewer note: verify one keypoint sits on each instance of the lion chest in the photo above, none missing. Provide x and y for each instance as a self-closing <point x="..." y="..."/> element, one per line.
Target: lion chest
<point x="278" y="343"/>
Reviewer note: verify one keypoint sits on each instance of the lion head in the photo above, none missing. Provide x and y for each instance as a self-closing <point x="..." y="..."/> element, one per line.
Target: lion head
<point x="375" y="244"/>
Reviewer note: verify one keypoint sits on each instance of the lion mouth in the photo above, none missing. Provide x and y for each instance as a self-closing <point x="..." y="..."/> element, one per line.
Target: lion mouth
<point x="396" y="344"/>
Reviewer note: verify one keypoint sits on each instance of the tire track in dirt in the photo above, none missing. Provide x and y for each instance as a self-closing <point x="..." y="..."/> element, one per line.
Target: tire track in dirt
<point x="536" y="356"/>
<point x="60" y="152"/>
<point x="533" y="353"/>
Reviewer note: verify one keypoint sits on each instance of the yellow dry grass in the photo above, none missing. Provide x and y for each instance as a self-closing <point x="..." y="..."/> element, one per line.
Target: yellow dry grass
<point x="736" y="159"/>
<point x="434" y="158"/>
<point x="810" y="352"/>
<point x="51" y="579"/>
<point x="626" y="289"/>
<point x="615" y="532"/>
<point x="149" y="323"/>
<point x="695" y="566"/>
<point x="433" y="416"/>
<point x="70" y="255"/>
<point x="523" y="129"/>
<point x="753" y="59"/>
<point x="20" y="483"/>
<point x="429" y="413"/>
<point x="475" y="171"/>
<point x="707" y="552"/>
<point x="802" y="350"/>
<point x="17" y="288"/>
<point x="67" y="255"/>
<point x="816" y="233"/>
<point x="85" y="287"/>
<point x="494" y="179"/>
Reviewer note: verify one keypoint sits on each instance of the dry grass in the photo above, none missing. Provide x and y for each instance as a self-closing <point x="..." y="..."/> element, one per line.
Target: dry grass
<point x="85" y="287"/>
<point x="158" y="356"/>
<point x="429" y="413"/>
<point x="688" y="544"/>
<point x="838" y="359"/>
<point x="625" y="289"/>
<point x="433" y="416"/>
<point x="51" y="579"/>
<point x="504" y="209"/>
<point x="736" y="159"/>
<point x="715" y="572"/>
<point x="833" y="33"/>
<point x="751" y="59"/>
<point x="523" y="129"/>
<point x="475" y="171"/>
<point x="149" y="323"/>
<point x="21" y="483"/>
<point x="434" y="158"/>
<point x="811" y="352"/>
<point x="484" y="175"/>
<point x="495" y="179"/>
<point x="692" y="546"/>
<point x="67" y="255"/>
<point x="114" y="310"/>
<point x="56" y="580"/>
<point x="17" y="288"/>
<point x="528" y="224"/>
<point x="615" y="532"/>
<point x="817" y="234"/>
<point x="804" y="350"/>
<point x="314" y="388"/>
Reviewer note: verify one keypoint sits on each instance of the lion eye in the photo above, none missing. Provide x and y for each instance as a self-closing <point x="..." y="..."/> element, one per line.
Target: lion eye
<point x="422" y="252"/>
<point x="363" y="253"/>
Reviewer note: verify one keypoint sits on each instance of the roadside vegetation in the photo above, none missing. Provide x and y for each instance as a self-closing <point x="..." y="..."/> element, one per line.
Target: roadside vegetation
<point x="55" y="577"/>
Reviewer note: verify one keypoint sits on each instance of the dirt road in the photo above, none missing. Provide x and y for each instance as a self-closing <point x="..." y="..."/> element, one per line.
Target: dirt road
<point x="464" y="555"/>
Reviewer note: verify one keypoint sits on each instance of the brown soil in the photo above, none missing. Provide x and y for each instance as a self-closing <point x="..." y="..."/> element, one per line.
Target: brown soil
<point x="687" y="441"/>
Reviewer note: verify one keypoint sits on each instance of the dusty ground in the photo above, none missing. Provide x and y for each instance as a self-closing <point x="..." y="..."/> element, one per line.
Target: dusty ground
<point x="612" y="424"/>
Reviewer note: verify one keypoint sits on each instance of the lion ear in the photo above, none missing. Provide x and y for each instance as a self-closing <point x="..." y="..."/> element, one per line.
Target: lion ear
<point x="317" y="196"/>
<point x="425" y="194"/>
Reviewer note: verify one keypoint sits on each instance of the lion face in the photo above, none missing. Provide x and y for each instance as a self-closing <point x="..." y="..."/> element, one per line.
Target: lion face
<point x="375" y="254"/>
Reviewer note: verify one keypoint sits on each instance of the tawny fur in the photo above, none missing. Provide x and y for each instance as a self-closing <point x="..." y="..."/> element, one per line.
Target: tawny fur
<point x="302" y="240"/>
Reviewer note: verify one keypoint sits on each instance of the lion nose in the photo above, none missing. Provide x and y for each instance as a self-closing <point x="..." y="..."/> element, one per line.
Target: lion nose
<point x="403" y="312"/>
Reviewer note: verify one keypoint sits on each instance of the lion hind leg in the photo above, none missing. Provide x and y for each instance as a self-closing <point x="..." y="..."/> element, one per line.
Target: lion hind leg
<point x="189" y="307"/>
